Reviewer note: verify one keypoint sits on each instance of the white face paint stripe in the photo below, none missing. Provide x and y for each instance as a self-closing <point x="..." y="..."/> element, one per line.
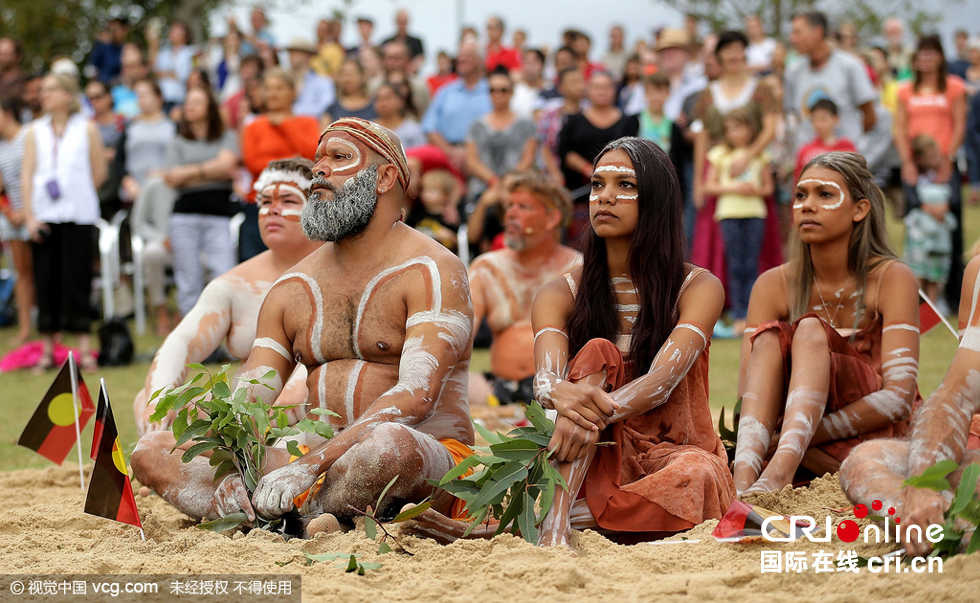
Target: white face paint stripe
<point x="615" y="169"/>
<point x="901" y="327"/>
<point x="687" y="325"/>
<point x="550" y="330"/>
<point x="291" y="212"/>
<point x="425" y="261"/>
<point x="272" y="344"/>
<point x="355" y="374"/>
<point x="828" y="184"/>
<point x="626" y="197"/>
<point x="355" y="161"/>
<point x="270" y="177"/>
<point x="317" y="332"/>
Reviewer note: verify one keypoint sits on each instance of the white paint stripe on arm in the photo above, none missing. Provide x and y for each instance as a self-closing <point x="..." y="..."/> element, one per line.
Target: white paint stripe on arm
<point x="687" y="325"/>
<point x="272" y="344"/>
<point x="901" y="327"/>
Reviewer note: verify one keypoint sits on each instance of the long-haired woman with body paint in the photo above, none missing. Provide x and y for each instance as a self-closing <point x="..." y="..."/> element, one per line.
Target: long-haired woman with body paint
<point x="621" y="354"/>
<point x="830" y="353"/>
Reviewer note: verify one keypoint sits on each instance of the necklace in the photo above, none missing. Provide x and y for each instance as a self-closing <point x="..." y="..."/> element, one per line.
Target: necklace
<point x="840" y="300"/>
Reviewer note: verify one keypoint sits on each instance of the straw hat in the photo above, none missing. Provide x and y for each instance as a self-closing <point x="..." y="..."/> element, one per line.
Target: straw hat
<point x="673" y="38"/>
<point x="301" y="45"/>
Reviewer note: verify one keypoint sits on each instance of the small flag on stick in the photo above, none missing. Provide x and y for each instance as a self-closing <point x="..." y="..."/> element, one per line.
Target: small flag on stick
<point x="110" y="494"/>
<point x="930" y="316"/>
<point x="51" y="431"/>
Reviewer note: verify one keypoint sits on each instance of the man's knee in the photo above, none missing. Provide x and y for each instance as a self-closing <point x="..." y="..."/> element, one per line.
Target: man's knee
<point x="810" y="336"/>
<point x="882" y="453"/>
<point x="148" y="455"/>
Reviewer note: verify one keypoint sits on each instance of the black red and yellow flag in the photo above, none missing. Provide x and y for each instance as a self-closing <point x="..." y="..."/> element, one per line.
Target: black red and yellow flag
<point x="110" y="494"/>
<point x="51" y="431"/>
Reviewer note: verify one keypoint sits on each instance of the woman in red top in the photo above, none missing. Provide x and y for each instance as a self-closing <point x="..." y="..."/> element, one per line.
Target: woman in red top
<point x="276" y="134"/>
<point x="934" y="104"/>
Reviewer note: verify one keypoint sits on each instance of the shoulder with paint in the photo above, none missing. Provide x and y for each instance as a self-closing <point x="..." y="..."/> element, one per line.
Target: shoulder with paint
<point x="896" y="284"/>
<point x="704" y="289"/>
<point x="558" y="293"/>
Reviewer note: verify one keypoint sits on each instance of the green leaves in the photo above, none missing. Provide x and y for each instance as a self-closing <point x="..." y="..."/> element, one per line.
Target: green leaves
<point x="413" y="512"/>
<point x="227" y="522"/>
<point x="510" y="479"/>
<point x="351" y="565"/>
<point x="964" y="511"/>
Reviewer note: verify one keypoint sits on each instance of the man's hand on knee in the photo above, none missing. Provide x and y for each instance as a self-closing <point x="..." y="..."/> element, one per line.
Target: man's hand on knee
<point x="231" y="496"/>
<point x="275" y="492"/>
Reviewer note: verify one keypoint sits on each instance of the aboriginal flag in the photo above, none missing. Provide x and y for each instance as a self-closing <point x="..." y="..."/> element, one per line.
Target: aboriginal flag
<point x="110" y="494"/>
<point x="51" y="431"/>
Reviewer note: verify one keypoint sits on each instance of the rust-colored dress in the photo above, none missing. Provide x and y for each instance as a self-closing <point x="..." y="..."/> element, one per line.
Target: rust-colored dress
<point x="668" y="471"/>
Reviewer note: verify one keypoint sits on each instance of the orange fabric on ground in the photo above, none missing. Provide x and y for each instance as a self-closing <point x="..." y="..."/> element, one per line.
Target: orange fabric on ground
<point x="459" y="451"/>
<point x="299" y="500"/>
<point x="668" y="470"/>
<point x="855" y="372"/>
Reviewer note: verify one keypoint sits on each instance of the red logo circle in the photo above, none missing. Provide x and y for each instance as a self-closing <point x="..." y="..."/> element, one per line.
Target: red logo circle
<point x="876" y="505"/>
<point x="860" y="511"/>
<point x="848" y="531"/>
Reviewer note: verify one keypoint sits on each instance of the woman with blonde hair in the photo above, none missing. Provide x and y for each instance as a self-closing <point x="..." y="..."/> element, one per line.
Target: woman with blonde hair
<point x="830" y="353"/>
<point x="64" y="164"/>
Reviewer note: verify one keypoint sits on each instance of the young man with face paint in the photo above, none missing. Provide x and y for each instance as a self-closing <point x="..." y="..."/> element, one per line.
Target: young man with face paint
<point x="947" y="427"/>
<point x="830" y="354"/>
<point x="228" y="308"/>
<point x="504" y="283"/>
<point x="381" y="318"/>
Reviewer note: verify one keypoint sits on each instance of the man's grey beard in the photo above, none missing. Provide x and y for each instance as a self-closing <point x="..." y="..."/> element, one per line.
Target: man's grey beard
<point x="516" y="242"/>
<point x="347" y="214"/>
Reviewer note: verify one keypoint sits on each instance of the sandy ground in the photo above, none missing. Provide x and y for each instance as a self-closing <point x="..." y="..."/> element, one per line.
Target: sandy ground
<point x="45" y="532"/>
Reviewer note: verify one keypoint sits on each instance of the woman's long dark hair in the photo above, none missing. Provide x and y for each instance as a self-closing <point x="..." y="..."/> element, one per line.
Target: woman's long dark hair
<point x="656" y="261"/>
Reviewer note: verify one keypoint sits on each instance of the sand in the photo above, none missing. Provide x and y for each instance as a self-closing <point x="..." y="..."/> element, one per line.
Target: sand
<point x="45" y="532"/>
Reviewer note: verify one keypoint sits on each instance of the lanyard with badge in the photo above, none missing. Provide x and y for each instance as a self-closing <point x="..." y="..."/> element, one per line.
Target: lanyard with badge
<point x="54" y="191"/>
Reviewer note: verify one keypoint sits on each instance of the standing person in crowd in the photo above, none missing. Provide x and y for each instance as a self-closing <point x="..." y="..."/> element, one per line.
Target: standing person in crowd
<point x="458" y="104"/>
<point x="631" y="79"/>
<point x="584" y="135"/>
<point x="445" y="73"/>
<point x="428" y="216"/>
<point x="654" y="125"/>
<point x="898" y="53"/>
<point x="527" y="91"/>
<point x="109" y="123"/>
<point x="741" y="207"/>
<point x="571" y="86"/>
<point x="31" y="95"/>
<point x="260" y="40"/>
<point x="352" y="99"/>
<point x="64" y="164"/>
<point x="12" y="79"/>
<point x="228" y="64"/>
<point x="519" y="41"/>
<point x="276" y="134"/>
<point x="959" y="65"/>
<point x="416" y="51"/>
<point x="823" y="118"/>
<point x="328" y="52"/>
<point x="758" y="54"/>
<point x="314" y="92"/>
<point x="13" y="231"/>
<point x="200" y="164"/>
<point x="393" y="105"/>
<point x="934" y="104"/>
<point x="826" y="72"/>
<point x="847" y="39"/>
<point x="971" y="72"/>
<point x="847" y="311"/>
<point x="615" y="58"/>
<point x="250" y="72"/>
<point x="498" y="55"/>
<point x="173" y="63"/>
<point x="105" y="62"/>
<point x="365" y="28"/>
<point x="124" y="92"/>
<point x="500" y="141"/>
<point x="674" y="60"/>
<point x="929" y="228"/>
<point x="395" y="57"/>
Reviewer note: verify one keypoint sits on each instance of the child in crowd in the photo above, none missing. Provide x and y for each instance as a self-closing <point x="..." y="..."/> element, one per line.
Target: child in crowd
<point x="823" y="116"/>
<point x="428" y="216"/>
<point x="654" y="125"/>
<point x="741" y="208"/>
<point x="929" y="229"/>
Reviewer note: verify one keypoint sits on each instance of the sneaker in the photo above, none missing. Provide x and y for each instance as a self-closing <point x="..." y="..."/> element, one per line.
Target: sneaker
<point x="723" y="331"/>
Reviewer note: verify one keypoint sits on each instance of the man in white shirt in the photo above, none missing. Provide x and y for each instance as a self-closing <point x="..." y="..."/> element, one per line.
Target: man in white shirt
<point x="758" y="54"/>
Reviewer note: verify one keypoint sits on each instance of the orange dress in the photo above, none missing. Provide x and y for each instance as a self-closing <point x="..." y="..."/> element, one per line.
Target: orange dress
<point x="668" y="471"/>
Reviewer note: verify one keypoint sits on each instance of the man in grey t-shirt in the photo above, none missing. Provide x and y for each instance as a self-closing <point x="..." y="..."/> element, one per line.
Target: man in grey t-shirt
<point x="825" y="72"/>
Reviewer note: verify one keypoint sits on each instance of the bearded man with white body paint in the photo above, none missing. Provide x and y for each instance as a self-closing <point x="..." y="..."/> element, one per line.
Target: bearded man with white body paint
<point x="830" y="354"/>
<point x="947" y="427"/>
<point x="228" y="308"/>
<point x="381" y="318"/>
<point x="504" y="283"/>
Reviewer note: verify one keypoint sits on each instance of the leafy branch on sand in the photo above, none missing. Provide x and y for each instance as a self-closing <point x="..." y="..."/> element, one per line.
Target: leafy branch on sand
<point x="372" y="523"/>
<point x="236" y="428"/>
<point x="963" y="515"/>
<point x="515" y="476"/>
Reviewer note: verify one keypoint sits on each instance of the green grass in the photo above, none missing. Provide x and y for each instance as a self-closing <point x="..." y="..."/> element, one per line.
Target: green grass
<point x="20" y="392"/>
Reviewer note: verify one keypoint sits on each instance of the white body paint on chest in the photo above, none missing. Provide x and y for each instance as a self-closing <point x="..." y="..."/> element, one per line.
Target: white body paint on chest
<point x="317" y="329"/>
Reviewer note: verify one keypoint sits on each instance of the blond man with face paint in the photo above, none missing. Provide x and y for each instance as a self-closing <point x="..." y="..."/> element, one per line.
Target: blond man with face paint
<point x="228" y="308"/>
<point x="831" y="348"/>
<point x="381" y="318"/>
<point x="947" y="427"/>
<point x="504" y="284"/>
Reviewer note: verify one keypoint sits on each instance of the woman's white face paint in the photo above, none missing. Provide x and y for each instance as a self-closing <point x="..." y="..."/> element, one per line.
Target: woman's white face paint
<point x="354" y="156"/>
<point x="615" y="169"/>
<point x="828" y="184"/>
